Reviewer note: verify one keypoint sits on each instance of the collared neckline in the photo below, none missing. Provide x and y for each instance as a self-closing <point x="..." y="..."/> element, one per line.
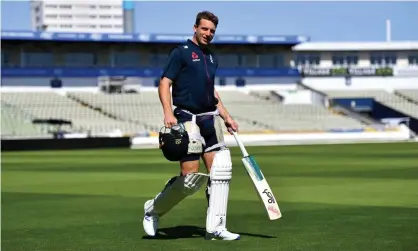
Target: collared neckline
<point x="189" y="41"/>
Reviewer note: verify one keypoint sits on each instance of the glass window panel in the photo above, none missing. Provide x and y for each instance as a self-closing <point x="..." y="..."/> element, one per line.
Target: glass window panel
<point x="266" y="61"/>
<point x="39" y="59"/>
<point x="280" y="62"/>
<point x="300" y="60"/>
<point x="127" y="59"/>
<point x="79" y="59"/>
<point x="249" y="60"/>
<point x="413" y="59"/>
<point x="158" y="60"/>
<point x="376" y="59"/>
<point x="3" y="58"/>
<point x="390" y="59"/>
<point x="352" y="60"/>
<point x="314" y="60"/>
<point x="337" y="60"/>
<point x="228" y="60"/>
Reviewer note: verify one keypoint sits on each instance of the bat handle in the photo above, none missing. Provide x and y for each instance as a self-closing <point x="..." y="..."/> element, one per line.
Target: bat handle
<point x="240" y="144"/>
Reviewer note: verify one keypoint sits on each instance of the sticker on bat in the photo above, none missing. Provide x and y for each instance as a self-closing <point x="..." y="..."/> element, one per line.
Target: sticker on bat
<point x="269" y="195"/>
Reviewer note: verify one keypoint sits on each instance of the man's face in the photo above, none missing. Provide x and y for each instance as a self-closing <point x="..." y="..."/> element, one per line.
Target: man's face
<point x="205" y="32"/>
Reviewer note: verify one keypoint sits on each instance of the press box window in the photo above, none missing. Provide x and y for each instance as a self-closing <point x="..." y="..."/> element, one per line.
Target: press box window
<point x="382" y="59"/>
<point x="413" y="59"/>
<point x="80" y="59"/>
<point x="343" y="60"/>
<point x="127" y="59"/>
<point x="249" y="60"/>
<point x="38" y="59"/>
<point x="307" y="59"/>
<point x="158" y="60"/>
<point x="229" y="60"/>
<point x="4" y="58"/>
<point x="270" y="61"/>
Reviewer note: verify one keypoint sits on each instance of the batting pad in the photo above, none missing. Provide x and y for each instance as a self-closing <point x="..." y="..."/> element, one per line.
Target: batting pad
<point x="220" y="176"/>
<point x="175" y="190"/>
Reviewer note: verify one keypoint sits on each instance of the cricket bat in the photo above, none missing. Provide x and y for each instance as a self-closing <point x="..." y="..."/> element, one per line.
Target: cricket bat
<point x="260" y="183"/>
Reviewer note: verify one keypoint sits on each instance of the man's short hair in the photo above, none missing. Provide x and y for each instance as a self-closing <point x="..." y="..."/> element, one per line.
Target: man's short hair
<point x="208" y="16"/>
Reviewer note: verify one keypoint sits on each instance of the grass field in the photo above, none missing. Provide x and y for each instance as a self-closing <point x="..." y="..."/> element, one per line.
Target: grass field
<point x="333" y="197"/>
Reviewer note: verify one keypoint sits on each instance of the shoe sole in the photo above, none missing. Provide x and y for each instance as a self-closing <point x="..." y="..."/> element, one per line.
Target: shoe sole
<point x="211" y="238"/>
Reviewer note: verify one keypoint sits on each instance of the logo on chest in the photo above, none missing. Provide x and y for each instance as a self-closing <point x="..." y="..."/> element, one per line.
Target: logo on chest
<point x="195" y="57"/>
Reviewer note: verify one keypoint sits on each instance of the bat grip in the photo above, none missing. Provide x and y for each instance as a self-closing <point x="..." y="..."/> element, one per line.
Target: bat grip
<point x="240" y="144"/>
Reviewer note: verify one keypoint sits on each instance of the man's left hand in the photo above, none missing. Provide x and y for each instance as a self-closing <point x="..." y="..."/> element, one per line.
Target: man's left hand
<point x="231" y="125"/>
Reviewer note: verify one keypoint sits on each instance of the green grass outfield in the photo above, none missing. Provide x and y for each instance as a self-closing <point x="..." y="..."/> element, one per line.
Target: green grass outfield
<point x="333" y="197"/>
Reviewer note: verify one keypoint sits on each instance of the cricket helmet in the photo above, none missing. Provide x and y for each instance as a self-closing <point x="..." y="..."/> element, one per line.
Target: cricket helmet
<point x="174" y="142"/>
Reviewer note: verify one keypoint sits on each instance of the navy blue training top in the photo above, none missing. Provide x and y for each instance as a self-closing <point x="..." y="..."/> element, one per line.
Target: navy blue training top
<point x="192" y="71"/>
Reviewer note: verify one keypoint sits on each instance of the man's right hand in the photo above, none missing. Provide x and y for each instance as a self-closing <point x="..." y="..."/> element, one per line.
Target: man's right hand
<point x="170" y="120"/>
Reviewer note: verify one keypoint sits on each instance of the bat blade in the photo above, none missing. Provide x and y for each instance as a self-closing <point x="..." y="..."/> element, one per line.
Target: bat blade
<point x="262" y="187"/>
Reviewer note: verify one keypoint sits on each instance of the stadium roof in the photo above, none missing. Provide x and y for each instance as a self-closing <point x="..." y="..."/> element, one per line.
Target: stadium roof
<point x="150" y="38"/>
<point x="356" y="46"/>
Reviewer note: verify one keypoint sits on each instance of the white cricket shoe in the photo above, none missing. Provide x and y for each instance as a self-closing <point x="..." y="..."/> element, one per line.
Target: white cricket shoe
<point x="223" y="234"/>
<point x="150" y="222"/>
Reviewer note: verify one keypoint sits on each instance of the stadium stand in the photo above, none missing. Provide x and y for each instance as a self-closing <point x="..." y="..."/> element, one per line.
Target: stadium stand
<point x="140" y="108"/>
<point x="253" y="114"/>
<point x="143" y="108"/>
<point x="411" y="94"/>
<point x="50" y="105"/>
<point x="281" y="117"/>
<point x="390" y="99"/>
<point x="15" y="124"/>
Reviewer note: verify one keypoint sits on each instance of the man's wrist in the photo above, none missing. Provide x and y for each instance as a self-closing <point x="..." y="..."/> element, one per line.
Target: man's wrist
<point x="167" y="111"/>
<point x="227" y="117"/>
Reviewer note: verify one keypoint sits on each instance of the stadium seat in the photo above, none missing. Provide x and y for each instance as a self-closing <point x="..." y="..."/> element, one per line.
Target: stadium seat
<point x="50" y="105"/>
